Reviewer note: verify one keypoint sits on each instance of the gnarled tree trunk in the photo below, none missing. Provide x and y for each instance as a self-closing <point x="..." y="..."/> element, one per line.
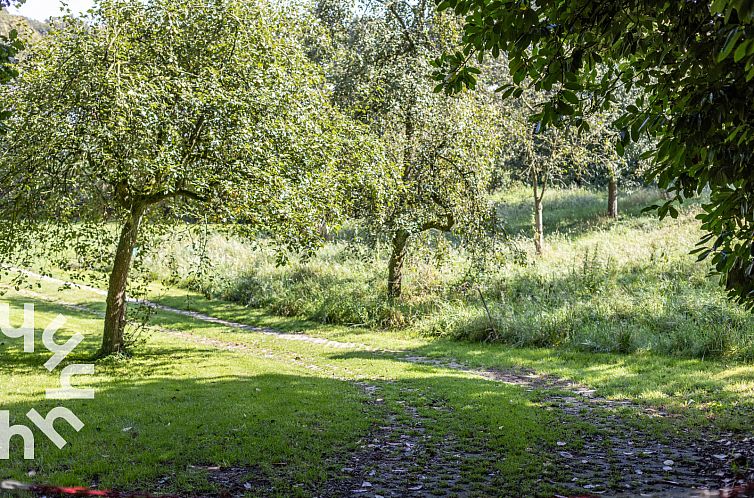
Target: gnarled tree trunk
<point x="395" y="265"/>
<point x="115" y="313"/>
<point x="612" y="197"/>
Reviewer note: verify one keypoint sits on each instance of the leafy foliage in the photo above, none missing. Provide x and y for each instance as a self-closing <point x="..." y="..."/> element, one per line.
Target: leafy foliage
<point x="691" y="64"/>
<point x="441" y="148"/>
<point x="10" y="45"/>
<point x="168" y="111"/>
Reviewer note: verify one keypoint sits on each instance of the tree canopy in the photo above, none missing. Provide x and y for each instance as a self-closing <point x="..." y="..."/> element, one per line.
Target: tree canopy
<point x="441" y="148"/>
<point x="691" y="65"/>
<point x="169" y="110"/>
<point x="10" y="44"/>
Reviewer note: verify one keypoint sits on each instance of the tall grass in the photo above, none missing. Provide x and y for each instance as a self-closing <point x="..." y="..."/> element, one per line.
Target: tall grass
<point x="602" y="285"/>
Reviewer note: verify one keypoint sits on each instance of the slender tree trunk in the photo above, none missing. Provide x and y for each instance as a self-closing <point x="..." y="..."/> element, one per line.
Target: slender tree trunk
<point x="539" y="233"/>
<point x="395" y="265"/>
<point x="115" y="313"/>
<point x="324" y="232"/>
<point x="612" y="197"/>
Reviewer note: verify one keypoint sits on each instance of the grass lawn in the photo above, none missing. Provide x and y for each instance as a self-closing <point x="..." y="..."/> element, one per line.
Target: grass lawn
<point x="285" y="414"/>
<point x="284" y="417"/>
<point x="611" y="355"/>
<point x="175" y="408"/>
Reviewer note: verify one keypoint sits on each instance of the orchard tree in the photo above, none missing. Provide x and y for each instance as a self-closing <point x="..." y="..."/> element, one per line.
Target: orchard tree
<point x="544" y="156"/>
<point x="441" y="148"/>
<point x="613" y="164"/>
<point x="10" y="45"/>
<point x="541" y="156"/>
<point x="146" y="112"/>
<point x="605" y="167"/>
<point x="691" y="64"/>
<point x="615" y="170"/>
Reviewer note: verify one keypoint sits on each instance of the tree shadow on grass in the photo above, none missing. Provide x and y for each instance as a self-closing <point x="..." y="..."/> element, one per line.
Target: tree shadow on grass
<point x="652" y="377"/>
<point x="184" y="420"/>
<point x="12" y="355"/>
<point x="198" y="421"/>
<point x="606" y="440"/>
<point x="165" y="418"/>
<point x="714" y="395"/>
<point x="179" y="435"/>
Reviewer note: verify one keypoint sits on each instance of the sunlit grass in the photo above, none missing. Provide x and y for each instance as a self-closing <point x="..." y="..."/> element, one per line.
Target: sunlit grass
<point x="176" y="407"/>
<point x="602" y="285"/>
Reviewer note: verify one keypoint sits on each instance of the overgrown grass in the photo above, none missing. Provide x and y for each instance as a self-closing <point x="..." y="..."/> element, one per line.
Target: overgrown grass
<point x="288" y="412"/>
<point x="601" y="286"/>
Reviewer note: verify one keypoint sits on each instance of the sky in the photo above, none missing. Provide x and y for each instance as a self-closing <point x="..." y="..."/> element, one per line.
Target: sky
<point x="43" y="9"/>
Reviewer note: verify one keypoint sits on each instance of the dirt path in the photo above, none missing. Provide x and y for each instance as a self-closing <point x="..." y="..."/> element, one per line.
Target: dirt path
<point x="401" y="458"/>
<point x="206" y="318"/>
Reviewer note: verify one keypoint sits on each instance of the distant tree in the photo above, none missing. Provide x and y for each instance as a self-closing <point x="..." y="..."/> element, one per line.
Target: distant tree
<point x="541" y="157"/>
<point x="441" y="148"/>
<point x="691" y="63"/>
<point x="621" y="171"/>
<point x="544" y="156"/>
<point x="10" y="45"/>
<point x="605" y="167"/>
<point x="153" y="112"/>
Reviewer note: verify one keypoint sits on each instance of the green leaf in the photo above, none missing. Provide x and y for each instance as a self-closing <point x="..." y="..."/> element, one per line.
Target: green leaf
<point x="730" y="42"/>
<point x="742" y="50"/>
<point x="570" y="97"/>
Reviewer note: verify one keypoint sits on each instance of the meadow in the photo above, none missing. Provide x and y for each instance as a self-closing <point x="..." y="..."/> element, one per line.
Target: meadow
<point x="325" y="249"/>
<point x="603" y="285"/>
<point x="301" y="380"/>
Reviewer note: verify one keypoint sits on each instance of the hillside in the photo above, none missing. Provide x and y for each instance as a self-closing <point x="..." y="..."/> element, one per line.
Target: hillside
<point x="24" y="25"/>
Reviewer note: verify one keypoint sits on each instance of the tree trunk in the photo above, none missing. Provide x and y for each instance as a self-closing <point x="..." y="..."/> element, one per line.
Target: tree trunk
<point x="115" y="314"/>
<point x="612" y="197"/>
<point x="395" y="265"/>
<point x="324" y="232"/>
<point x="539" y="233"/>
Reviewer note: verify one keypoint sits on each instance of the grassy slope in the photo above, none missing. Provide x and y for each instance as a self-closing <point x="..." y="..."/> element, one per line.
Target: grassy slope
<point x="706" y="390"/>
<point x="713" y="390"/>
<point x="174" y="405"/>
<point x="191" y="406"/>
<point x="602" y="286"/>
<point x="267" y="410"/>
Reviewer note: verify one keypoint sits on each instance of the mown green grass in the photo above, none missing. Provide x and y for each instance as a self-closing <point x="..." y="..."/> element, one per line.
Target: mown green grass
<point x="175" y="405"/>
<point x="705" y="391"/>
<point x="175" y="408"/>
<point x="709" y="391"/>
